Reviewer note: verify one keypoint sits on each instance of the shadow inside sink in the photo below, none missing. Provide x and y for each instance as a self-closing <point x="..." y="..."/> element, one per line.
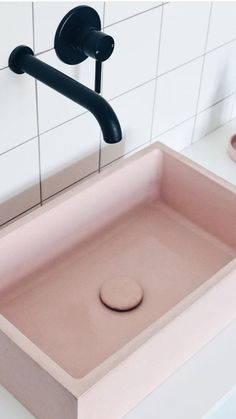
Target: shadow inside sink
<point x="158" y="221"/>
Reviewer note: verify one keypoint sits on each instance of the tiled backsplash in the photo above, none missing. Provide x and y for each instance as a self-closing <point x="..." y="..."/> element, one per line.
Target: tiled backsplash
<point x="171" y="78"/>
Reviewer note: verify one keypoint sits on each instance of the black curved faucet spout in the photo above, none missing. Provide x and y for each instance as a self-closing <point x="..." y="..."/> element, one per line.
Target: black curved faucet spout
<point x="22" y="60"/>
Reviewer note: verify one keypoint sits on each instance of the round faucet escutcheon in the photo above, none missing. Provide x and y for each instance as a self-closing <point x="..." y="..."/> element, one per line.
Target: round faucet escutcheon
<point x="79" y="36"/>
<point x="121" y="294"/>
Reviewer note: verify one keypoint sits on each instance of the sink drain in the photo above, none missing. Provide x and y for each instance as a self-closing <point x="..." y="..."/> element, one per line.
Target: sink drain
<point x="121" y="293"/>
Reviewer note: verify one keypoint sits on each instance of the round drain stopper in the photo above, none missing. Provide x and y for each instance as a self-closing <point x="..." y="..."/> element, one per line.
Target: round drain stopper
<point x="121" y="293"/>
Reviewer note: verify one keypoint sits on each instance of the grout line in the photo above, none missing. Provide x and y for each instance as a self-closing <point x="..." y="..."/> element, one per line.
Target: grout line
<point x="83" y="113"/>
<point x="112" y="24"/>
<point x="77" y="116"/>
<point x="131" y="89"/>
<point x="33" y="31"/>
<point x="18" y="145"/>
<point x="221" y="45"/>
<point x="39" y="148"/>
<point x="130" y="17"/>
<point x="44" y="52"/>
<point x="156" y="80"/>
<point x="139" y="147"/>
<point x="102" y="79"/>
<point x="63" y="123"/>
<point x="231" y="113"/>
<point x="18" y="215"/>
<point x="191" y="117"/>
<point x="208" y="133"/>
<point x="100" y="152"/>
<point x="147" y="81"/>
<point x="172" y="127"/>
<point x="103" y="14"/>
<point x="161" y="74"/>
<point x="201" y="75"/>
<point x="4" y="68"/>
<point x="69" y="186"/>
<point x="214" y="104"/>
<point x="135" y="15"/>
<point x="37" y="114"/>
<point x="180" y="65"/>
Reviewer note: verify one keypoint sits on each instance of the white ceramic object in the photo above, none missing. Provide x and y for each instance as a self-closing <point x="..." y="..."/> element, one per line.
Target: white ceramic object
<point x="232" y="148"/>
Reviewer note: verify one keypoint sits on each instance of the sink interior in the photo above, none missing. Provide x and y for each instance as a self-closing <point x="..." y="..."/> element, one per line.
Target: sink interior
<point x="170" y="240"/>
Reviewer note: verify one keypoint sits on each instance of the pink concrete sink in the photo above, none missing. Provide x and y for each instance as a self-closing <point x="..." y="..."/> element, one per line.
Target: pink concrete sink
<point x="160" y="221"/>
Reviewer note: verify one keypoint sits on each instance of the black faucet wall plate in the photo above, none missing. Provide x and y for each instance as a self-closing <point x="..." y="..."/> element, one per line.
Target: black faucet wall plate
<point x="79" y="36"/>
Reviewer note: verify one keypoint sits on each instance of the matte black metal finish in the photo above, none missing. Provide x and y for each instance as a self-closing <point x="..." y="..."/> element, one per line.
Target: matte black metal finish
<point x="22" y="60"/>
<point x="79" y="36"/>
<point x="98" y="76"/>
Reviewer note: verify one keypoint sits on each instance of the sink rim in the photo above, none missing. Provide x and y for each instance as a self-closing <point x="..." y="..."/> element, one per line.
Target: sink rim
<point x="78" y="386"/>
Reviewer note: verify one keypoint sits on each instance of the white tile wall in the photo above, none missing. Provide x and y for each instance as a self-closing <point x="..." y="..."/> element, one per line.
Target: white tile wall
<point x="134" y="111"/>
<point x="168" y="75"/>
<point x="115" y="10"/>
<point x="17" y="109"/>
<point x="69" y="153"/>
<point x="19" y="180"/>
<point x="179" y="137"/>
<point x="54" y="108"/>
<point x="233" y="115"/>
<point x="15" y="27"/>
<point x="135" y="56"/>
<point x="219" y="78"/>
<point x="213" y="117"/>
<point x="222" y="25"/>
<point x="183" y="33"/>
<point x="176" y="96"/>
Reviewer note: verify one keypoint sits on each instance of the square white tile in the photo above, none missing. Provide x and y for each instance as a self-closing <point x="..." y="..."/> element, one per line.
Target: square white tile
<point x="17" y="109"/>
<point x="119" y="10"/>
<point x="222" y="25"/>
<point x="213" y="118"/>
<point x="19" y="180"/>
<point x="135" y="55"/>
<point x="69" y="153"/>
<point x="15" y="27"/>
<point x="55" y="108"/>
<point x="176" y="96"/>
<point x="47" y="16"/>
<point x="134" y="111"/>
<point x="179" y="137"/>
<point x="184" y="33"/>
<point x="233" y="114"/>
<point x="218" y="79"/>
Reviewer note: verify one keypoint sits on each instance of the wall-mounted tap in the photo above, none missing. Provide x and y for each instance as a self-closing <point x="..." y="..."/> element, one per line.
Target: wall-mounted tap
<point x="73" y="37"/>
<point x="79" y="36"/>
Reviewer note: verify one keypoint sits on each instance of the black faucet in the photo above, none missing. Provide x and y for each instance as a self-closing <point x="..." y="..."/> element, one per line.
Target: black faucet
<point x="90" y="42"/>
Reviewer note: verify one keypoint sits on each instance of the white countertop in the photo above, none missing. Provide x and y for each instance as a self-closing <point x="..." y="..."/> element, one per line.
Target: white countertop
<point x="204" y="386"/>
<point x="211" y="152"/>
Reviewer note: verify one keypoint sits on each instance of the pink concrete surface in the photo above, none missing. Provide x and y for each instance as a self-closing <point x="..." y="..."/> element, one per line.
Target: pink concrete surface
<point x="158" y="219"/>
<point x="58" y="306"/>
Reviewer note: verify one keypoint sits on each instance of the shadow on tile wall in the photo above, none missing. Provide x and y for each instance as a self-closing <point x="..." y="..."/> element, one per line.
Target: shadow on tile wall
<point x="34" y="193"/>
<point x="41" y="195"/>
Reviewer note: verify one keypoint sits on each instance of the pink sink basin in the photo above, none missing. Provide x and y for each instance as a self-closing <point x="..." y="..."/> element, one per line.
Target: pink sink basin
<point x="157" y="219"/>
